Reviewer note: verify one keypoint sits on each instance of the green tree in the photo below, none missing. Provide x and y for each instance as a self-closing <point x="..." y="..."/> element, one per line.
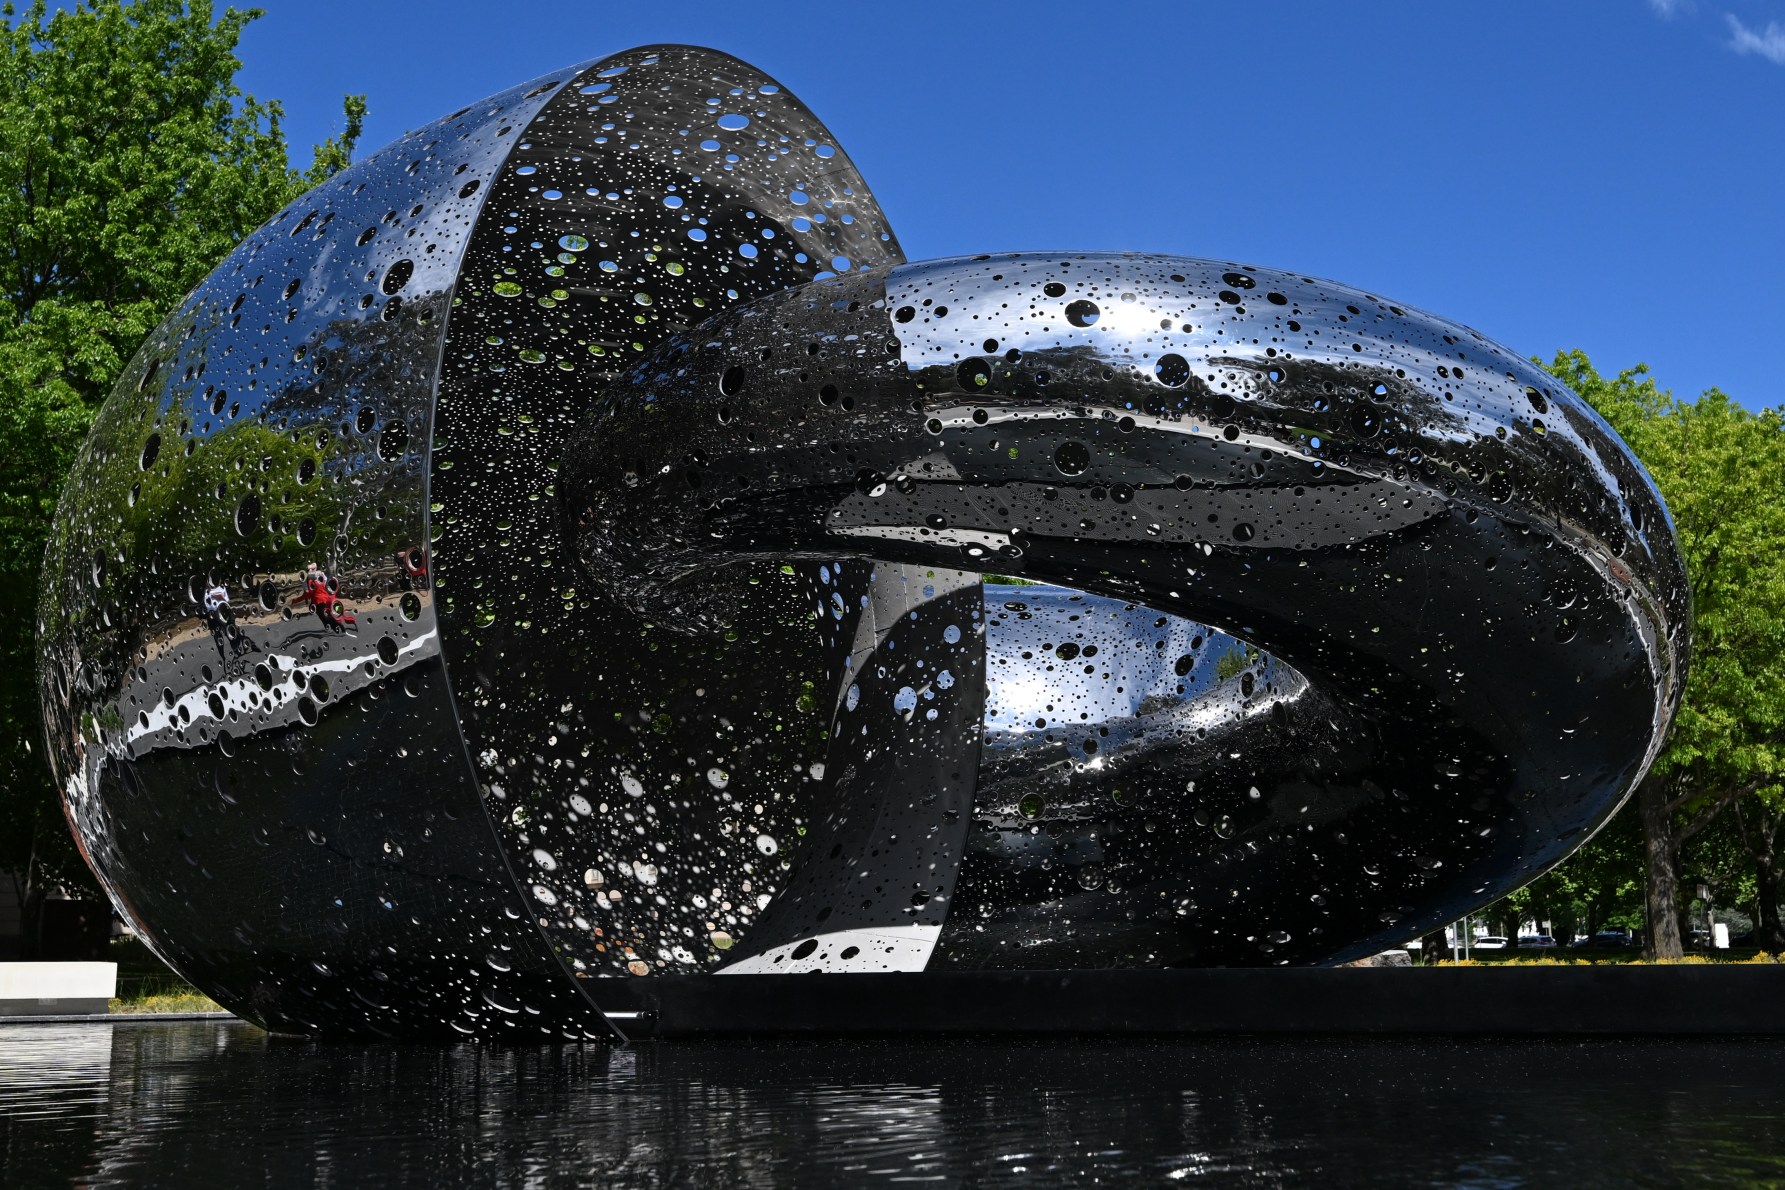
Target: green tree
<point x="1721" y="470"/>
<point x="130" y="164"/>
<point x="1758" y="819"/>
<point x="1716" y="862"/>
<point x="1600" y="885"/>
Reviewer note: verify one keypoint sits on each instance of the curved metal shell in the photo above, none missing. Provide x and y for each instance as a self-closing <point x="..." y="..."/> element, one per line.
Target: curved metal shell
<point x="288" y="814"/>
<point x="703" y="185"/>
<point x="652" y="493"/>
<point x="1465" y="595"/>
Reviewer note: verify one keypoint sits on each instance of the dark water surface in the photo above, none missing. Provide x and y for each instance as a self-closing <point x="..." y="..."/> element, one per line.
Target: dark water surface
<point x="209" y="1104"/>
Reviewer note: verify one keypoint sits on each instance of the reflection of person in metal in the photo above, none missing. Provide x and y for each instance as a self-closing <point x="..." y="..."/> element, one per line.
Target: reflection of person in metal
<point x="412" y="566"/>
<point x="319" y="594"/>
<point x="221" y="619"/>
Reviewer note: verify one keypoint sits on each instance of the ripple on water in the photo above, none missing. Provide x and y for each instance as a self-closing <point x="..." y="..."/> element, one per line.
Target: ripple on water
<point x="224" y="1104"/>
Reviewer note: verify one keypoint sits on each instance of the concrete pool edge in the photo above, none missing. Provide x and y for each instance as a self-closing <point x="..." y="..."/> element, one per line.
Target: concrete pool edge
<point x="113" y="1018"/>
<point x="1579" y="1002"/>
<point x="1597" y="1001"/>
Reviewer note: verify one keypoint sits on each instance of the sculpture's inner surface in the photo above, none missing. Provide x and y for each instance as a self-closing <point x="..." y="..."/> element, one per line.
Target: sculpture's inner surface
<point x="645" y="785"/>
<point x="650" y="494"/>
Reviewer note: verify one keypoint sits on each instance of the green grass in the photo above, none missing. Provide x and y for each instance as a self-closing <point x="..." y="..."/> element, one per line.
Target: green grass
<point x="188" y="1001"/>
<point x="1622" y="959"/>
<point x="145" y="984"/>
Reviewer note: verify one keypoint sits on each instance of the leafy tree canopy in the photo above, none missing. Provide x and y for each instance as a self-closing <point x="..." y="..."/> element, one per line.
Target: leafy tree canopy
<point x="1721" y="470"/>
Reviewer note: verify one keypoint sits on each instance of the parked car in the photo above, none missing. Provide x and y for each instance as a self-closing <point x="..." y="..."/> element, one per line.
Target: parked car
<point x="1491" y="942"/>
<point x="1536" y="942"/>
<point x="1608" y="940"/>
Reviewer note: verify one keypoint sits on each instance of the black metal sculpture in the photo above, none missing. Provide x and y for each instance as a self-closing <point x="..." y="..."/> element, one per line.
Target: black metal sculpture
<point x="649" y="494"/>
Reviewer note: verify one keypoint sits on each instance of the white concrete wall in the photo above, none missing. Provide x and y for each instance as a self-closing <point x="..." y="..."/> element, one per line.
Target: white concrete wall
<point x="40" y="989"/>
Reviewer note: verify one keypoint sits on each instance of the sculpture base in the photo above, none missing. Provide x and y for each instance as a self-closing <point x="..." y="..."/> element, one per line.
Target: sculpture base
<point x="1542" y="1001"/>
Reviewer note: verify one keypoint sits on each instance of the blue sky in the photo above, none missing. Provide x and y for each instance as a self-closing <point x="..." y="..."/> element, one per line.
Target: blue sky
<point x="1606" y="175"/>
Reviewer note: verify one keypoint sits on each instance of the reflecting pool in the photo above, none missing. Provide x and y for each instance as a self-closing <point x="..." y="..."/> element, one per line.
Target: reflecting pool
<point x="222" y="1104"/>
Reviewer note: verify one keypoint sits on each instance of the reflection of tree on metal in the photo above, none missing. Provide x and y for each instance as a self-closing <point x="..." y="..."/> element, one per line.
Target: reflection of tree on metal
<point x="320" y="593"/>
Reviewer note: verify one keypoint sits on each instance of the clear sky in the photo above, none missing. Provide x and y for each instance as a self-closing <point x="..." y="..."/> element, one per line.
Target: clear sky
<point x="1606" y="175"/>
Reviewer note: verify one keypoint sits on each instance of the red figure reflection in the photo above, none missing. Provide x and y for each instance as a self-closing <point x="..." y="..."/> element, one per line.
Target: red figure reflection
<point x="318" y="592"/>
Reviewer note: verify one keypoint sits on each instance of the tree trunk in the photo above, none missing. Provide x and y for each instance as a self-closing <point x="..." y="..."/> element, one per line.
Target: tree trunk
<point x="1662" y="852"/>
<point x="1433" y="949"/>
<point x="30" y="891"/>
<point x="1769" y="933"/>
<point x="31" y="922"/>
<point x="1760" y="839"/>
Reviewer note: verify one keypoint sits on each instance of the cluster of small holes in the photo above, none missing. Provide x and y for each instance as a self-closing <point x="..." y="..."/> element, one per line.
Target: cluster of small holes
<point x="653" y="192"/>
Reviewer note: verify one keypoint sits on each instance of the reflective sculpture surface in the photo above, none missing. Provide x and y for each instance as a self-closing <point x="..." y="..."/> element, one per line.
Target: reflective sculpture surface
<point x="552" y="551"/>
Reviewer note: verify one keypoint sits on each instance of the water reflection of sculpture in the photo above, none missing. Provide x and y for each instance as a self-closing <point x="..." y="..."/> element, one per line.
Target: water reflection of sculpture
<point x="672" y="652"/>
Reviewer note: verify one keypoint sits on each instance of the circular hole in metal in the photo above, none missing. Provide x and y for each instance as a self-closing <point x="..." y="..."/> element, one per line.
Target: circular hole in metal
<point x="973" y="375"/>
<point x="1072" y="458"/>
<point x="397" y="276"/>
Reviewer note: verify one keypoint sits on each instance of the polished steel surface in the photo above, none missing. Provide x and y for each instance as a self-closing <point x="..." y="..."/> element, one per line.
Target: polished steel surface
<point x="1464" y="593"/>
<point x="645" y="789"/>
<point x="281" y="776"/>
<point x="649" y="492"/>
